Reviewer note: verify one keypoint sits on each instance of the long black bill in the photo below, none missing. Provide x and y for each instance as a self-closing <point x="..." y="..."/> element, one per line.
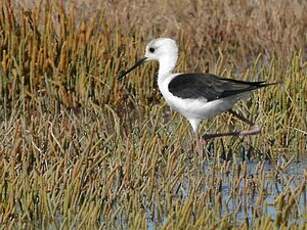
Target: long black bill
<point x="138" y="63"/>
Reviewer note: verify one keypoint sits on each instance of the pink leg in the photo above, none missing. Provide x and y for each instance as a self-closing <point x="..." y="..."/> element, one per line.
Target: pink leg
<point x="200" y="143"/>
<point x="239" y="116"/>
<point x="253" y="131"/>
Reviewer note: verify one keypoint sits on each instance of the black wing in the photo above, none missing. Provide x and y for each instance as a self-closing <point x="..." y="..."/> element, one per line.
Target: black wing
<point x="209" y="86"/>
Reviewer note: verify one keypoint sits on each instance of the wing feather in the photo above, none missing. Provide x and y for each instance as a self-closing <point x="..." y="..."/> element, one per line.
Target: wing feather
<point x="209" y="86"/>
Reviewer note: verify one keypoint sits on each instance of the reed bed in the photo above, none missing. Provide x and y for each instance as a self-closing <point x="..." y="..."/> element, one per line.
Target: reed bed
<point x="80" y="149"/>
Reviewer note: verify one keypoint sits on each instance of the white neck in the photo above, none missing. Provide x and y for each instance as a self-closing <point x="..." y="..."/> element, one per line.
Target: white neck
<point x="166" y="65"/>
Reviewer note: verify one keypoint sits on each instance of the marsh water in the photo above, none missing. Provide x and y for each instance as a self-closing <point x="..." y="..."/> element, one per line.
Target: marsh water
<point x="248" y="199"/>
<point x="287" y="180"/>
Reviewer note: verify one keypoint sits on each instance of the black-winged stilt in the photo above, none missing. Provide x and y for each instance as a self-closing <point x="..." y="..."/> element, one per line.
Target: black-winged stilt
<point x="197" y="96"/>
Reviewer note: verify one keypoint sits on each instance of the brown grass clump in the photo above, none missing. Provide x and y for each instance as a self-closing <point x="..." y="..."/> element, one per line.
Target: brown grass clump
<point x="79" y="148"/>
<point x="241" y="29"/>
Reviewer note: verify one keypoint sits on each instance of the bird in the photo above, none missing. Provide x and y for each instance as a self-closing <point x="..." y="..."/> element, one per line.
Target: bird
<point x="197" y="96"/>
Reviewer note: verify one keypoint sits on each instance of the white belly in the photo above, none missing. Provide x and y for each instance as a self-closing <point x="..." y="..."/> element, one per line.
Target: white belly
<point x="198" y="108"/>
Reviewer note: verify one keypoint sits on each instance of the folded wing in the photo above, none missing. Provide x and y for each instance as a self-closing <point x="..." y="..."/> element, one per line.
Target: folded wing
<point x="209" y="86"/>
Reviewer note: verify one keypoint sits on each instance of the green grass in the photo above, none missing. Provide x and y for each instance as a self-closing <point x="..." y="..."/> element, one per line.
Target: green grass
<point x="79" y="148"/>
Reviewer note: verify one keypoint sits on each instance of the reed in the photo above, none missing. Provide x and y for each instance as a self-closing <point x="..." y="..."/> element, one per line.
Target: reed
<point x="79" y="148"/>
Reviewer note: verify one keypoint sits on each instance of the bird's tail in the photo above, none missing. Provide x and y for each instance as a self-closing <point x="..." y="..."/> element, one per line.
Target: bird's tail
<point x="269" y="84"/>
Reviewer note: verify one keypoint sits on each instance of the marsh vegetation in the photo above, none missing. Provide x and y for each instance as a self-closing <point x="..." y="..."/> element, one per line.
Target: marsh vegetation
<point x="79" y="148"/>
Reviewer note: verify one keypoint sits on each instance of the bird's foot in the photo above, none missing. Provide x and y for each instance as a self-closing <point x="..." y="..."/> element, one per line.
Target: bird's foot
<point x="253" y="131"/>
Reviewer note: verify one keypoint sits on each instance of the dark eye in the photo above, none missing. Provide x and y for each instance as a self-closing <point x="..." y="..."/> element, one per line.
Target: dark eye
<point x="151" y="50"/>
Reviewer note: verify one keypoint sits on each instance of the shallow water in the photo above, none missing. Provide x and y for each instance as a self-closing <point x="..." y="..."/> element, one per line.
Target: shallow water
<point x="289" y="178"/>
<point x="244" y="204"/>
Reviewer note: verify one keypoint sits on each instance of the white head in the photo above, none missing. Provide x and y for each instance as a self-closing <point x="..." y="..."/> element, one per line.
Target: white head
<point x="163" y="50"/>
